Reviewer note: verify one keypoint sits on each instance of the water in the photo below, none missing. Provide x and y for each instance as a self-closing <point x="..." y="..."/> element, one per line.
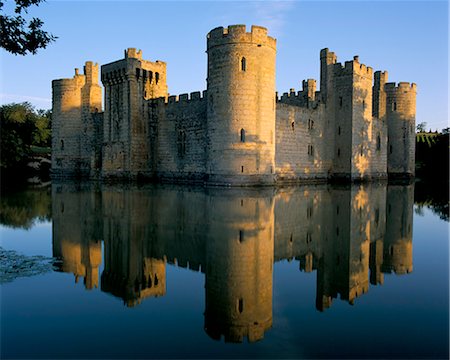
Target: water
<point x="178" y="272"/>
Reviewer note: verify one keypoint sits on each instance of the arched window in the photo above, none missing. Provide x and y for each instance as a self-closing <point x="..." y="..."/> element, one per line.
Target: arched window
<point x="242" y="135"/>
<point x="157" y="77"/>
<point x="243" y="64"/>
<point x="150" y="76"/>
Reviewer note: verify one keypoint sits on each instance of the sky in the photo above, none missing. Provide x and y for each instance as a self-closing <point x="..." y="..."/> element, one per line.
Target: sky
<point x="409" y="39"/>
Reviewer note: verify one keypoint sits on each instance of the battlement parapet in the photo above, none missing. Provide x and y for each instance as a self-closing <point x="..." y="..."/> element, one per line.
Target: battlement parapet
<point x="237" y="33"/>
<point x="180" y="99"/>
<point x="380" y="76"/>
<point x="392" y="87"/>
<point x="133" y="53"/>
<point x="90" y="75"/>
<point x="193" y="96"/>
<point x="329" y="55"/>
<point x="305" y="97"/>
<point x="352" y="67"/>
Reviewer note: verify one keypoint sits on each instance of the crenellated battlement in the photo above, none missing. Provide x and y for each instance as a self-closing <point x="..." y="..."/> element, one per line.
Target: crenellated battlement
<point x="133" y="53"/>
<point x="193" y="96"/>
<point x="352" y="67"/>
<point x="237" y="33"/>
<point x="305" y="97"/>
<point x="401" y="86"/>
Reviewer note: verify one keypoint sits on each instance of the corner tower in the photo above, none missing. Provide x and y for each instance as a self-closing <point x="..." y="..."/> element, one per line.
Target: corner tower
<point x="241" y="106"/>
<point x="401" y="123"/>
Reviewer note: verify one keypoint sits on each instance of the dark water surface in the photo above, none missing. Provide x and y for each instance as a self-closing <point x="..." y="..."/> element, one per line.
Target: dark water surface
<point x="176" y="272"/>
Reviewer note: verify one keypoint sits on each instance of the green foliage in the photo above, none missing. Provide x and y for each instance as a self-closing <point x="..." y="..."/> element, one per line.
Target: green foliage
<point x="19" y="36"/>
<point x="421" y="127"/>
<point x="22" y="127"/>
<point x="428" y="138"/>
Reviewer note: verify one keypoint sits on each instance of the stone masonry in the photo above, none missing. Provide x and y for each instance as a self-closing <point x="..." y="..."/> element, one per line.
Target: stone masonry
<point x="238" y="131"/>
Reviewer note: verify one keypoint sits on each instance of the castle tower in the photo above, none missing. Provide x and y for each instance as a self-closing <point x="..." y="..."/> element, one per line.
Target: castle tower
<point x="128" y="83"/>
<point x="401" y="120"/>
<point x="327" y="59"/>
<point x="356" y="154"/>
<point x="379" y="95"/>
<point x="239" y="265"/>
<point x="241" y="105"/>
<point x="73" y="102"/>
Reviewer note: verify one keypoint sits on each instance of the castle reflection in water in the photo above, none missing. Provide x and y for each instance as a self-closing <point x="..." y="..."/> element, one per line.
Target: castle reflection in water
<point x="350" y="235"/>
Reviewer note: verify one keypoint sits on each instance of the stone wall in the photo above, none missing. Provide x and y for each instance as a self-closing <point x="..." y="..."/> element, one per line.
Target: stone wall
<point x="179" y="149"/>
<point x="302" y="151"/>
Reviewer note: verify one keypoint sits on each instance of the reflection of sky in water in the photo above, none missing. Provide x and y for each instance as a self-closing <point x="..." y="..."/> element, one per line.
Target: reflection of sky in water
<point x="51" y="316"/>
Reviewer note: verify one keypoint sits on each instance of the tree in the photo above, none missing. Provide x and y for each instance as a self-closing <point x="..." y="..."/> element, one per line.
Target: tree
<point x="421" y="127"/>
<point x="17" y="35"/>
<point x="21" y="127"/>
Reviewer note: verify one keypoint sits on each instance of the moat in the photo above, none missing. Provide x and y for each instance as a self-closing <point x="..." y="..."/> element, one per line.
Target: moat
<point x="317" y="271"/>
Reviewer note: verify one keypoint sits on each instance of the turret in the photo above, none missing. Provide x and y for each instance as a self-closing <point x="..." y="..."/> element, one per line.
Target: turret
<point x="401" y="120"/>
<point x="241" y="106"/>
<point x="74" y="101"/>
<point x="379" y="95"/>
<point x="327" y="59"/>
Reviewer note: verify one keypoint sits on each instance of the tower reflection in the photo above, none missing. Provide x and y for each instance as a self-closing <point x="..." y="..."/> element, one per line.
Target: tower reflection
<point x="351" y="235"/>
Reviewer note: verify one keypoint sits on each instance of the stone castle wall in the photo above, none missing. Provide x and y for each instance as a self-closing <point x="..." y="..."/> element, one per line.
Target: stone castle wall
<point x="179" y="142"/>
<point x="237" y="132"/>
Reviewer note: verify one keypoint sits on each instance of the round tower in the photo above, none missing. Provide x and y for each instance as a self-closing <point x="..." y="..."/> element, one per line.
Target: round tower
<point x="66" y="124"/>
<point x="401" y="121"/>
<point x="241" y="106"/>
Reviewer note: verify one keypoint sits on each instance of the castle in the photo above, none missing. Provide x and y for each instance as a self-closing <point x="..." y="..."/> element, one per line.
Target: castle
<point x="238" y="131"/>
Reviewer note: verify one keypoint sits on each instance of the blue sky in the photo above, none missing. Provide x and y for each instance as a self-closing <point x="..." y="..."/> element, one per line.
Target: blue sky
<point x="407" y="38"/>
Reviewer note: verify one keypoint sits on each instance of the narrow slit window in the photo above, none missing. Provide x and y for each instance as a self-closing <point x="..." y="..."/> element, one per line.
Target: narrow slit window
<point x="378" y="142"/>
<point x="157" y="77"/>
<point x="242" y="135"/>
<point x="340" y="101"/>
<point x="241" y="236"/>
<point x="243" y="64"/>
<point x="62" y="144"/>
<point x="240" y="305"/>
